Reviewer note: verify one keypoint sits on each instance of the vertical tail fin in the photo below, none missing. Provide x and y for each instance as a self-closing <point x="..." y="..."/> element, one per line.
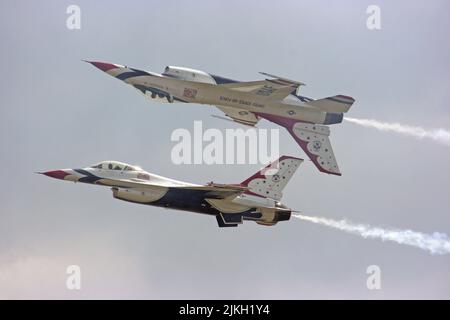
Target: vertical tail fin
<point x="313" y="139"/>
<point x="270" y="181"/>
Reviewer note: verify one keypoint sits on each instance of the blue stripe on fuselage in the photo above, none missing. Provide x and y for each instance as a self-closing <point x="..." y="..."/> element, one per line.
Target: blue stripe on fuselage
<point x="193" y="200"/>
<point x="222" y="80"/>
<point x="89" y="177"/>
<point x="131" y="74"/>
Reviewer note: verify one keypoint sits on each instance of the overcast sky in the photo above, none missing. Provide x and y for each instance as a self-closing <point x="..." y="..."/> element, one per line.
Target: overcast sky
<point x="59" y="112"/>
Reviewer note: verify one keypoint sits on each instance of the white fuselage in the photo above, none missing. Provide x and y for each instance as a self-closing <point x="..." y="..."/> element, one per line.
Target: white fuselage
<point x="211" y="94"/>
<point x="143" y="186"/>
<point x="228" y="203"/>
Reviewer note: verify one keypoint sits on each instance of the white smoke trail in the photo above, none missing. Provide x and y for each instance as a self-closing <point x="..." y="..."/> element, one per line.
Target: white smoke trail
<point x="436" y="243"/>
<point x="438" y="135"/>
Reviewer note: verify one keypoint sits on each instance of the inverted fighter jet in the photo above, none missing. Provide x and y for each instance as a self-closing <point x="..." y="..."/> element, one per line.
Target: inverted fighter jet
<point x="257" y="198"/>
<point x="275" y="99"/>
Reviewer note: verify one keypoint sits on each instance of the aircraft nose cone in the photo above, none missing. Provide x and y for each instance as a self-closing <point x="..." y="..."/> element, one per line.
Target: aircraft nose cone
<point x="57" y="174"/>
<point x="104" y="66"/>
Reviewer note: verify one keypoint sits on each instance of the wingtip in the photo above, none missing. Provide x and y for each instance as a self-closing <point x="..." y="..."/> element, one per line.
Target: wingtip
<point x="297" y="83"/>
<point x="347" y="98"/>
<point x="334" y="173"/>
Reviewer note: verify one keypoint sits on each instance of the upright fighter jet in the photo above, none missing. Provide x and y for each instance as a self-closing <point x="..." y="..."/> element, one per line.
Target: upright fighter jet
<point x="256" y="198"/>
<point x="275" y="99"/>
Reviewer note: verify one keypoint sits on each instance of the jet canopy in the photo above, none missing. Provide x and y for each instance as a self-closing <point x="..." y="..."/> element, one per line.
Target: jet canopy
<point x="115" y="165"/>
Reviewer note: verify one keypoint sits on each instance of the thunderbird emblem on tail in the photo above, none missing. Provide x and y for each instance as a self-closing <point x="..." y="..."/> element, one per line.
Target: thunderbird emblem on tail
<point x="275" y="99"/>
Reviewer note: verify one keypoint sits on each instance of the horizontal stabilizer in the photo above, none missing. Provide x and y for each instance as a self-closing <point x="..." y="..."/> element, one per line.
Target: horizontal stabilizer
<point x="335" y="104"/>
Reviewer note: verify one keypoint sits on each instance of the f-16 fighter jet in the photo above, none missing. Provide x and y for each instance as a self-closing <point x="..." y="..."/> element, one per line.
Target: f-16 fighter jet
<point x="257" y="198"/>
<point x="275" y="99"/>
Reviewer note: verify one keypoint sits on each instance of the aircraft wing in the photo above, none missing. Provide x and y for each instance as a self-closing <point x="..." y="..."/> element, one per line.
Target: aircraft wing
<point x="217" y="191"/>
<point x="277" y="88"/>
<point x="212" y="190"/>
<point x="240" y="115"/>
<point x="266" y="89"/>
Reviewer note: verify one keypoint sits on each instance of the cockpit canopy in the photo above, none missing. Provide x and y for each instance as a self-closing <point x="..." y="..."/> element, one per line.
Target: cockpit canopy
<point x="115" y="165"/>
<point x="188" y="74"/>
